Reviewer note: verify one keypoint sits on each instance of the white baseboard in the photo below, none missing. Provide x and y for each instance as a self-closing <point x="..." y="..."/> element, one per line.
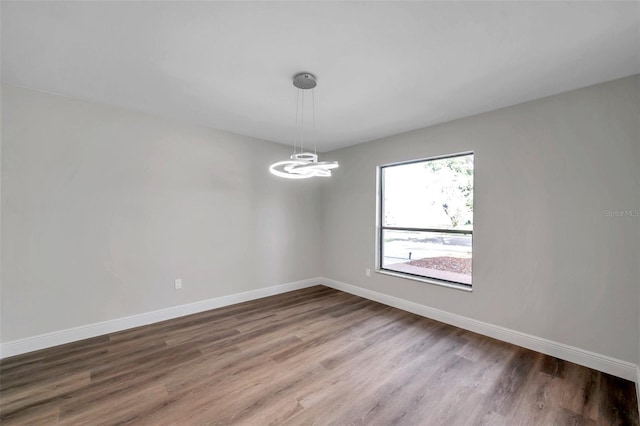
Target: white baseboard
<point x="29" y="344"/>
<point x="599" y="362"/>
<point x="613" y="366"/>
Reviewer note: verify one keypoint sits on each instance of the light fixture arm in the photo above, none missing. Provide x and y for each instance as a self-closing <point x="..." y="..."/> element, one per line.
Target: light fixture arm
<point x="303" y="165"/>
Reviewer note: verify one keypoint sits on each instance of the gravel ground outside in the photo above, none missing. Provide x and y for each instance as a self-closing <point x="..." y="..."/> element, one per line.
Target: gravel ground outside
<point x="445" y="263"/>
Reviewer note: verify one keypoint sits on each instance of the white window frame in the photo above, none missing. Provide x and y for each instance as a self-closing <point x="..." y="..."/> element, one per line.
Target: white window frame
<point x="380" y="228"/>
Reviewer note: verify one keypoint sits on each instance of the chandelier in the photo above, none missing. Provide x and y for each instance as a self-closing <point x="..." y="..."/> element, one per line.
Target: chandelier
<point x="303" y="164"/>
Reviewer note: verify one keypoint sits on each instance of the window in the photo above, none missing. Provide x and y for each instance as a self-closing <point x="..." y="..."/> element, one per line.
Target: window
<point x="426" y="219"/>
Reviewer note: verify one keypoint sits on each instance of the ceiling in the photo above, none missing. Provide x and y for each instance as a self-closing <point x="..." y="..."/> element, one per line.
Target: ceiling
<point x="383" y="67"/>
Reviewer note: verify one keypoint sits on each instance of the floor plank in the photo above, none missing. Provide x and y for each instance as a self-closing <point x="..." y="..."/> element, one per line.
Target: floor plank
<point x="313" y="356"/>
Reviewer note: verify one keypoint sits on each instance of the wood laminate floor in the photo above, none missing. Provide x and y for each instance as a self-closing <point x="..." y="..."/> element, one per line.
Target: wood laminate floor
<point x="313" y="356"/>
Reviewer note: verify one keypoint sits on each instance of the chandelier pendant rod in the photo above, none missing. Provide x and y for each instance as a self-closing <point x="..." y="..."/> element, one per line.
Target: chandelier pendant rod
<point x="296" y="131"/>
<point x="313" y="120"/>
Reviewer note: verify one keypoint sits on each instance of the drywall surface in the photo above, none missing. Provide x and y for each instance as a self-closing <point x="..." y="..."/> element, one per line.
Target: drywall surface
<point x="103" y="208"/>
<point x="552" y="256"/>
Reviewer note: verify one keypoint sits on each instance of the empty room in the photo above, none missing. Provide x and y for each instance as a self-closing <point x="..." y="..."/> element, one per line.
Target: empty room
<point x="320" y="213"/>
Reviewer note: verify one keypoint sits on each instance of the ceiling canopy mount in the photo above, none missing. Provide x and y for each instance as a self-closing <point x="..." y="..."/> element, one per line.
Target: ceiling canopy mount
<point x="305" y="80"/>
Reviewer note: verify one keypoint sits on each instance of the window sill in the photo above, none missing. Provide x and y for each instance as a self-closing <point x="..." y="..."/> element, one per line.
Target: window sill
<point x="425" y="280"/>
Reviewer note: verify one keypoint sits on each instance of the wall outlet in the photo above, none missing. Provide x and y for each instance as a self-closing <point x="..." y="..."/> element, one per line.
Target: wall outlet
<point x="178" y="283"/>
<point x="367" y="272"/>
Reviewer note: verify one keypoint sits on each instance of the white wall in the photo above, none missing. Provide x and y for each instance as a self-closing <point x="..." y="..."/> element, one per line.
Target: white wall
<point x="547" y="260"/>
<point x="103" y="208"/>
